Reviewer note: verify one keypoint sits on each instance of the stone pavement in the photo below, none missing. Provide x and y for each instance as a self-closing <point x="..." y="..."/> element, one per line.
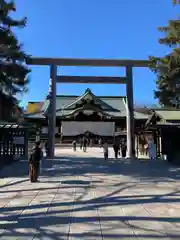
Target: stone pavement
<point x="80" y="196"/>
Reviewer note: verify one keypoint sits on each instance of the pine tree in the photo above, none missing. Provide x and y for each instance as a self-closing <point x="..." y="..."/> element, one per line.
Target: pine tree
<point x="176" y="2"/>
<point x="13" y="69"/>
<point x="167" y="68"/>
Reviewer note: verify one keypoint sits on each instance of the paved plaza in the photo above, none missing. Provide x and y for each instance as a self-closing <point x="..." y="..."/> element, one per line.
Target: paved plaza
<point x="80" y="196"/>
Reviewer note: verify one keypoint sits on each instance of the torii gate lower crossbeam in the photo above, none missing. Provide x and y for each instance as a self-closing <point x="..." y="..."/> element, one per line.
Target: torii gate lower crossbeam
<point x="128" y="64"/>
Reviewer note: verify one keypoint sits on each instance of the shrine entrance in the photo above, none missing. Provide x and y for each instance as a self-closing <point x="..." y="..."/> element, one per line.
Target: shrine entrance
<point x="127" y="80"/>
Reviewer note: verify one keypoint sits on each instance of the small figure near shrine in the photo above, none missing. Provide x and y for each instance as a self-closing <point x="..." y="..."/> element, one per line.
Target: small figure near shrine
<point x="116" y="149"/>
<point x="46" y="147"/>
<point x="91" y="143"/>
<point x="85" y="142"/>
<point x="123" y="148"/>
<point x="81" y="143"/>
<point x="105" y="149"/>
<point x="74" y="145"/>
<point x="152" y="149"/>
<point x="34" y="162"/>
<point x="100" y="143"/>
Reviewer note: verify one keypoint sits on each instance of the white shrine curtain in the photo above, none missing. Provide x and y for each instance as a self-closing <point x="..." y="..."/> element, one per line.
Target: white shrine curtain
<point x="74" y="128"/>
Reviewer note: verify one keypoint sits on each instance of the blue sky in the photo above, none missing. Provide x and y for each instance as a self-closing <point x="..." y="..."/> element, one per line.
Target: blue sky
<point x="93" y="29"/>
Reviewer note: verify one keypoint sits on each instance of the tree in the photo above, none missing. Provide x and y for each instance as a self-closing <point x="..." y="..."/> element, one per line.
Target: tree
<point x="167" y="68"/>
<point x="13" y="70"/>
<point x="175" y="2"/>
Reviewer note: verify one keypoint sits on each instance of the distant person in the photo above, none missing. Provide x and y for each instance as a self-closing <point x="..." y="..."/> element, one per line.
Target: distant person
<point x="105" y="149"/>
<point x="88" y="142"/>
<point x="46" y="147"/>
<point x="146" y="149"/>
<point x="116" y="149"/>
<point x="123" y="148"/>
<point x="91" y="143"/>
<point x="81" y="143"/>
<point x="152" y="149"/>
<point x="85" y="142"/>
<point x="100" y="143"/>
<point x="74" y="143"/>
<point x="34" y="162"/>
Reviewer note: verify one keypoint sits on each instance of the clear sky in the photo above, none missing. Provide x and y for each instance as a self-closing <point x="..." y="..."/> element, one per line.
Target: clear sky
<point x="93" y="29"/>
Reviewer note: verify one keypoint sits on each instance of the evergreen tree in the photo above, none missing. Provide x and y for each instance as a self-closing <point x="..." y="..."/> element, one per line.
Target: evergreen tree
<point x="167" y="68"/>
<point x="176" y="2"/>
<point x="13" y="69"/>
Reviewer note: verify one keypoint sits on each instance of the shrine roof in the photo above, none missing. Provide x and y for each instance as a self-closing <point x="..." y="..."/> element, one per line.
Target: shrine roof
<point x="64" y="101"/>
<point x="114" y="106"/>
<point x="168" y="114"/>
<point x="39" y="115"/>
<point x="163" y="116"/>
<point x="116" y="114"/>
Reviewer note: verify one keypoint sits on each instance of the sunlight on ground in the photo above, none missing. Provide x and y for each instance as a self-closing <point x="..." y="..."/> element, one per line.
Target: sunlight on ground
<point x="81" y="196"/>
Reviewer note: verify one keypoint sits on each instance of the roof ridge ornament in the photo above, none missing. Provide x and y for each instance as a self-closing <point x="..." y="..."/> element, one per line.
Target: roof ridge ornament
<point x="88" y="90"/>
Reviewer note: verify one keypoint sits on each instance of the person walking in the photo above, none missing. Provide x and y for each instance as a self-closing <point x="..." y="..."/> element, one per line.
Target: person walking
<point x="34" y="161"/>
<point x="91" y="143"/>
<point x="105" y="149"/>
<point x="85" y="142"/>
<point x="123" y="148"/>
<point x="81" y="143"/>
<point x="116" y="149"/>
<point x="74" y="145"/>
<point x="152" y="149"/>
<point x="100" y="143"/>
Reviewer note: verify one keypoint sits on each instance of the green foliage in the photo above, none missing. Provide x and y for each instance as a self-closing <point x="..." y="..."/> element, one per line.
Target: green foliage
<point x="167" y="68"/>
<point x="175" y="2"/>
<point x="13" y="69"/>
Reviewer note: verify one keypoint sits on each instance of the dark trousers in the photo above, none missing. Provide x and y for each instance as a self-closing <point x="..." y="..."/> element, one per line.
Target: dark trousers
<point x="116" y="154"/>
<point x="47" y="151"/>
<point x="105" y="155"/>
<point x="124" y="152"/>
<point x="84" y="148"/>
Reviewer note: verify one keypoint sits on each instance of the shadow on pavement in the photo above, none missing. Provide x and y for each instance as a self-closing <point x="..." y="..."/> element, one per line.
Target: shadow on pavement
<point x="53" y="217"/>
<point x="144" y="170"/>
<point x="76" y="166"/>
<point x="44" y="217"/>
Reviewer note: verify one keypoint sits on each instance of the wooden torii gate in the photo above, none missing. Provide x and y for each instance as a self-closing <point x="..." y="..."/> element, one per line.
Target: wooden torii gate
<point x="128" y="80"/>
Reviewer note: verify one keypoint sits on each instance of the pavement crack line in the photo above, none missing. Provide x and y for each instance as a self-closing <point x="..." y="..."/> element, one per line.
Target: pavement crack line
<point x="23" y="209"/>
<point x="97" y="210"/>
<point x="11" y="199"/>
<point x="71" y="214"/>
<point x="49" y="205"/>
<point x="73" y="207"/>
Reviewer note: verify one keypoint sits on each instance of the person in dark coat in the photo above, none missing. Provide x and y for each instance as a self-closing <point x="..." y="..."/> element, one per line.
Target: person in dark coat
<point x="81" y="143"/>
<point x="34" y="162"/>
<point x="123" y="148"/>
<point x="116" y="149"/>
<point x="85" y="142"/>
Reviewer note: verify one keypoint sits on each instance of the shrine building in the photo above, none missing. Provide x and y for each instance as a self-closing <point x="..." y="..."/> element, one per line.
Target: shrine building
<point x="77" y="115"/>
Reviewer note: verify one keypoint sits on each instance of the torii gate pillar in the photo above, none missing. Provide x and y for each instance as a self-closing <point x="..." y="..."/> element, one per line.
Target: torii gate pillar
<point x="52" y="111"/>
<point x="130" y="113"/>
